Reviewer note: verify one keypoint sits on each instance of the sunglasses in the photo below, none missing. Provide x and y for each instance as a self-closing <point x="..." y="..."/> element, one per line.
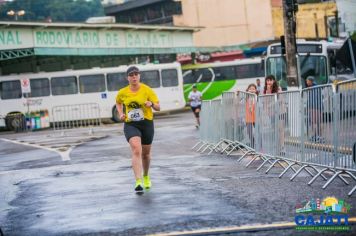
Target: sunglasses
<point x="134" y="73"/>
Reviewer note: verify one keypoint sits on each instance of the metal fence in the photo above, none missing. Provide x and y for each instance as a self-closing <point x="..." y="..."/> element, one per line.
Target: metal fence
<point x="76" y="116"/>
<point x="312" y="130"/>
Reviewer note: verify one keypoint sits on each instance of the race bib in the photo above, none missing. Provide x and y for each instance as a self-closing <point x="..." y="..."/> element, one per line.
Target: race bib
<point x="135" y="115"/>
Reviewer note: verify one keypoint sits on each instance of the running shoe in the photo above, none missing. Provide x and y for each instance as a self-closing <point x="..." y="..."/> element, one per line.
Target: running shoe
<point x="147" y="181"/>
<point x="138" y="186"/>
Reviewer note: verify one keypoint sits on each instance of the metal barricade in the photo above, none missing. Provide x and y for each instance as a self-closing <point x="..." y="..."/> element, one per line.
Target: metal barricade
<point x="238" y="121"/>
<point x="246" y="127"/>
<point x="228" y="108"/>
<point x="226" y="143"/>
<point x="267" y="118"/>
<point x="318" y="134"/>
<point x="245" y="119"/>
<point x="313" y="128"/>
<point x="289" y="126"/>
<point x="216" y="122"/>
<point x="346" y="124"/>
<point x="288" y="133"/>
<point x="213" y="122"/>
<point x="76" y="116"/>
<point x="204" y="125"/>
<point x="345" y="129"/>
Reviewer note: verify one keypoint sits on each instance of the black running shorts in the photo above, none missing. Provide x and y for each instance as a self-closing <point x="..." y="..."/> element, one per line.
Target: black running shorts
<point x="194" y="110"/>
<point x="143" y="129"/>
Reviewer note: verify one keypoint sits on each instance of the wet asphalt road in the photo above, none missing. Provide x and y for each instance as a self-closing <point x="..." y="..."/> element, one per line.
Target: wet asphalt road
<point x="91" y="192"/>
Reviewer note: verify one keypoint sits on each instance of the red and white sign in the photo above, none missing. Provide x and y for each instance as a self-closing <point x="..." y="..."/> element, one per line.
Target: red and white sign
<point x="25" y="86"/>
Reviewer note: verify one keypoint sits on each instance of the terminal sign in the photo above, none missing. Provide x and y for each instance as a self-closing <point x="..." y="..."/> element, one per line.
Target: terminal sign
<point x="84" y="41"/>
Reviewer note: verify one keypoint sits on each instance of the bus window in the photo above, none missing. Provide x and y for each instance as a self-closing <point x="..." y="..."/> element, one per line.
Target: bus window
<point x="11" y="89"/>
<point x="116" y="81"/>
<point x="64" y="85"/>
<point x="249" y="71"/>
<point x="188" y="77"/>
<point x="203" y="75"/>
<point x="224" y="73"/>
<point x="151" y="78"/>
<point x="92" y="83"/>
<point x="197" y="75"/>
<point x="169" y="78"/>
<point x="261" y="69"/>
<point x="39" y="87"/>
<point x="277" y="66"/>
<point x="313" y="66"/>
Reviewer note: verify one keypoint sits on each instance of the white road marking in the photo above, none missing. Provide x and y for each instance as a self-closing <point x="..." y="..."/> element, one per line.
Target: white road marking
<point x="65" y="155"/>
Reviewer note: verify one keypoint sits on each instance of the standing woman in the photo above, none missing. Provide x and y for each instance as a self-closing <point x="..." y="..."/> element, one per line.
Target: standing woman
<point x="271" y="85"/>
<point x="138" y="100"/>
<point x="251" y="113"/>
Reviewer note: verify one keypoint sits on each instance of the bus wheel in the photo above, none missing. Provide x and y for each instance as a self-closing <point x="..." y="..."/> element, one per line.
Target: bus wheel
<point x="115" y="115"/>
<point x="15" y="122"/>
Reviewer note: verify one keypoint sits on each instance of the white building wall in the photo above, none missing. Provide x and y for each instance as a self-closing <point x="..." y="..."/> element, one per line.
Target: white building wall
<point x="347" y="13"/>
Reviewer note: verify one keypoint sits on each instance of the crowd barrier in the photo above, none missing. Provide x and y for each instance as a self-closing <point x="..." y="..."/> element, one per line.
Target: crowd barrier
<point x="76" y="116"/>
<point x="311" y="130"/>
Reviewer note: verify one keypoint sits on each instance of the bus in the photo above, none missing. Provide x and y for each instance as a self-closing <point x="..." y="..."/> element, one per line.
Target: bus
<point x="96" y="85"/>
<point x="212" y="79"/>
<point x="314" y="58"/>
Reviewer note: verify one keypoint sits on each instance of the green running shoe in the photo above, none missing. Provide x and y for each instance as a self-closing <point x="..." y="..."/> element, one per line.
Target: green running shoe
<point x="147" y="181"/>
<point x="138" y="186"/>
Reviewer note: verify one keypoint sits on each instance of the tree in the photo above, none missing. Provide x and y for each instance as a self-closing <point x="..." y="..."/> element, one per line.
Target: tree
<point x="56" y="10"/>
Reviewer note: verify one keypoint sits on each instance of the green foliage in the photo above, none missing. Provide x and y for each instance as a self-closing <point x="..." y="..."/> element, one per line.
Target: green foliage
<point x="56" y="10"/>
<point x="353" y="36"/>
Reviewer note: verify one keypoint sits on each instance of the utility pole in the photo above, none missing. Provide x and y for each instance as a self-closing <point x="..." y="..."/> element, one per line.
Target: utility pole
<point x="290" y="8"/>
<point x="337" y="23"/>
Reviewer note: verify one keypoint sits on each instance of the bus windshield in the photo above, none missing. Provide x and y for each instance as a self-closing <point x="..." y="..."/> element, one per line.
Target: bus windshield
<point x="309" y="65"/>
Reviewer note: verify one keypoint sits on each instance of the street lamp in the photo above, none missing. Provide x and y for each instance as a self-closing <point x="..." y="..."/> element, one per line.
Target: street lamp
<point x="16" y="13"/>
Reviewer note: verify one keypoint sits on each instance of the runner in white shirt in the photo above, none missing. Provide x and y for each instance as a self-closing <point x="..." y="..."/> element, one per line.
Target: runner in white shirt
<point x="195" y="103"/>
